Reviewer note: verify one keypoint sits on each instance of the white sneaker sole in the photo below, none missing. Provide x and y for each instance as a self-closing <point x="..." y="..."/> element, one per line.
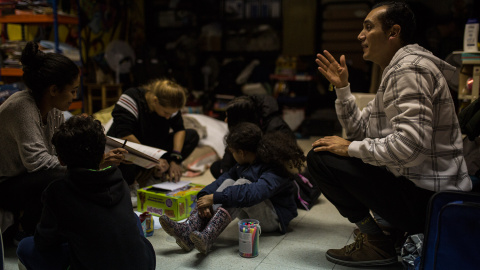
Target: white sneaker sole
<point x="384" y="262"/>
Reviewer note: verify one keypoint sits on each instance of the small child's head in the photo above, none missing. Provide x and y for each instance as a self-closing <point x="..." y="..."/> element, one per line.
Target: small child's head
<point x="242" y="109"/>
<point x="80" y="142"/>
<point x="243" y="141"/>
<point x="279" y="149"/>
<point x="170" y="95"/>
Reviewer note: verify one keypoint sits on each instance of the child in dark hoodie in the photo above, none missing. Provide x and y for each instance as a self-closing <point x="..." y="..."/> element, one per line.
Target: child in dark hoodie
<point x="87" y="220"/>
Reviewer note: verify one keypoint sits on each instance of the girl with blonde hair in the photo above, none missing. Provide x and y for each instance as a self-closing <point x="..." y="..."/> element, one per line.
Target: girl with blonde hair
<point x="150" y="115"/>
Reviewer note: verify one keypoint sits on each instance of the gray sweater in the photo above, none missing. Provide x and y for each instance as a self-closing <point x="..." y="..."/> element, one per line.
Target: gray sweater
<point x="25" y="142"/>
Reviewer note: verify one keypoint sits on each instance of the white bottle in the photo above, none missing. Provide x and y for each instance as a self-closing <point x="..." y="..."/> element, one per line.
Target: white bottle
<point x="470" y="37"/>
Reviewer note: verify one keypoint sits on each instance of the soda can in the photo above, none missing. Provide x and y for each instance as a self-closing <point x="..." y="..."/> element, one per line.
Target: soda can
<point x="147" y="223"/>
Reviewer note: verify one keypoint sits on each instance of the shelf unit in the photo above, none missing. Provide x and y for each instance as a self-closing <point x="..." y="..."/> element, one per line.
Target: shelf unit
<point x="36" y="20"/>
<point x="30" y="20"/>
<point x="235" y="33"/>
<point x="40" y="19"/>
<point x="470" y="69"/>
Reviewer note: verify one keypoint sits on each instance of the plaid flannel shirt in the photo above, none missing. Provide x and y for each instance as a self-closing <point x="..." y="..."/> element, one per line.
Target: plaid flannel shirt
<point x="410" y="127"/>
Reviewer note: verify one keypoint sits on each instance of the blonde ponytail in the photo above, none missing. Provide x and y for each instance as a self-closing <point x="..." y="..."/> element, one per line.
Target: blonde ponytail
<point x="169" y="93"/>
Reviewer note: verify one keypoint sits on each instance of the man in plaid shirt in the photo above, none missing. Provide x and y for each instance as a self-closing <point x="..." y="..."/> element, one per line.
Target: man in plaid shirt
<point x="401" y="149"/>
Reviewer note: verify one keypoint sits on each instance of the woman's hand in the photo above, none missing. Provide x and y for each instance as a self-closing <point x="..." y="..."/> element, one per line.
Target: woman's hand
<point x="335" y="73"/>
<point x="161" y="168"/>
<point x="333" y="144"/>
<point x="175" y="172"/>
<point x="114" y="157"/>
<point x="205" y="201"/>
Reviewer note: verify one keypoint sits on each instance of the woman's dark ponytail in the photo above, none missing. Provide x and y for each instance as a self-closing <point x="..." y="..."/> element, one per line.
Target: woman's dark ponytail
<point x="42" y="70"/>
<point x="32" y="57"/>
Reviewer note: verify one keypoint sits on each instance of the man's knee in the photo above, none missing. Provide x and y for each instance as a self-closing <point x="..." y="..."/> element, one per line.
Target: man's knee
<point x="315" y="159"/>
<point x="311" y="157"/>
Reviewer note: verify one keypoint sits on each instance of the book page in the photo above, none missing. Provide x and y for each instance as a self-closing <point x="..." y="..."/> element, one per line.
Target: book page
<point x="171" y="185"/>
<point x="141" y="155"/>
<point x="152" y="153"/>
<point x="137" y="160"/>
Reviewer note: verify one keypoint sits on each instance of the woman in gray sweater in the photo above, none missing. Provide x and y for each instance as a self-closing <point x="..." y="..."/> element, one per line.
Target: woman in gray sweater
<point x="29" y="118"/>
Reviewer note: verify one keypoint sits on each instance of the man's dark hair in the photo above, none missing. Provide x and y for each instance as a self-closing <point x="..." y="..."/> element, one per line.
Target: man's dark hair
<point x="401" y="14"/>
<point x="80" y="142"/>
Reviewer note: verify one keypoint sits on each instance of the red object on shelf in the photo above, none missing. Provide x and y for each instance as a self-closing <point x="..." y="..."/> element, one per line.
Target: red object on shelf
<point x="76" y="105"/>
<point x="37" y="19"/>
<point x="14" y="72"/>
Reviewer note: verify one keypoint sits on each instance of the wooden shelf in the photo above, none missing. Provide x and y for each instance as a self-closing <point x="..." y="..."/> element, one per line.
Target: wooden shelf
<point x="38" y="19"/>
<point x="13" y="72"/>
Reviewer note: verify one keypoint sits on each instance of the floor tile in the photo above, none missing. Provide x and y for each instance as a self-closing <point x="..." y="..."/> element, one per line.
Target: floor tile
<point x="298" y="255"/>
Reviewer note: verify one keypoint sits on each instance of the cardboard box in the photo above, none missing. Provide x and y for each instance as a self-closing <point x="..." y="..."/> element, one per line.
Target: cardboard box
<point x="177" y="204"/>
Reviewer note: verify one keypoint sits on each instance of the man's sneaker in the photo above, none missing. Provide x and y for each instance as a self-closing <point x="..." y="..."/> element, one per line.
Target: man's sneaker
<point x="19" y="235"/>
<point x="398" y="237"/>
<point x="367" y="250"/>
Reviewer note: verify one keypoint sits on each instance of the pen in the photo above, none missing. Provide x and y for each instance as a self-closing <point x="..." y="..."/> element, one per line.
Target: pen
<point x="125" y="142"/>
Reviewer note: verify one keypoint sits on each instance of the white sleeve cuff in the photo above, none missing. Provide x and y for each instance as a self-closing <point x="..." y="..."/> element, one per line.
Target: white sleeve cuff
<point x="343" y="92"/>
<point x="354" y="149"/>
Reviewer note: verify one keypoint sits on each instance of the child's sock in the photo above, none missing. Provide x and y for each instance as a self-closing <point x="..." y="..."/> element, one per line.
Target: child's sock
<point x="369" y="226"/>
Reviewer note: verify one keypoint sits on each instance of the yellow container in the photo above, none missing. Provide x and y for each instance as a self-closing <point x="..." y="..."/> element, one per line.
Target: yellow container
<point x="177" y="204"/>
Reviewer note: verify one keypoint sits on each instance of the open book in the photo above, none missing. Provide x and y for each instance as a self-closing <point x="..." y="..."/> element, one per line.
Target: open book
<point x="139" y="154"/>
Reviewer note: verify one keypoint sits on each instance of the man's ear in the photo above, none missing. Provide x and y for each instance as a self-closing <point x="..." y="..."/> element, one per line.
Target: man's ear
<point x="394" y="32"/>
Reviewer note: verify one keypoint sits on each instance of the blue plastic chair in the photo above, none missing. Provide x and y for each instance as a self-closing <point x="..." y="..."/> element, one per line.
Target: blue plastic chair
<point x="452" y="232"/>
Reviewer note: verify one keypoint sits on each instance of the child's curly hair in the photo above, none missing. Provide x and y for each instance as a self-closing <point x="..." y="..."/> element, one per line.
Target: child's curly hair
<point x="80" y="142"/>
<point x="277" y="148"/>
<point x="281" y="150"/>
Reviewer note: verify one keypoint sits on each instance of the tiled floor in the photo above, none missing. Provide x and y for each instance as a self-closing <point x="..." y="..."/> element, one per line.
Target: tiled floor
<point x="303" y="247"/>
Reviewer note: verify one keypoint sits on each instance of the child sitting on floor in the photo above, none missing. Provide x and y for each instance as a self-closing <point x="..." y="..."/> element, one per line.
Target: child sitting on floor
<point x="87" y="220"/>
<point x="259" y="187"/>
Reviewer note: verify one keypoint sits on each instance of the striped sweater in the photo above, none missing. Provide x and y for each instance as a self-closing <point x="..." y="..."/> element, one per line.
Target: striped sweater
<point x="132" y="116"/>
